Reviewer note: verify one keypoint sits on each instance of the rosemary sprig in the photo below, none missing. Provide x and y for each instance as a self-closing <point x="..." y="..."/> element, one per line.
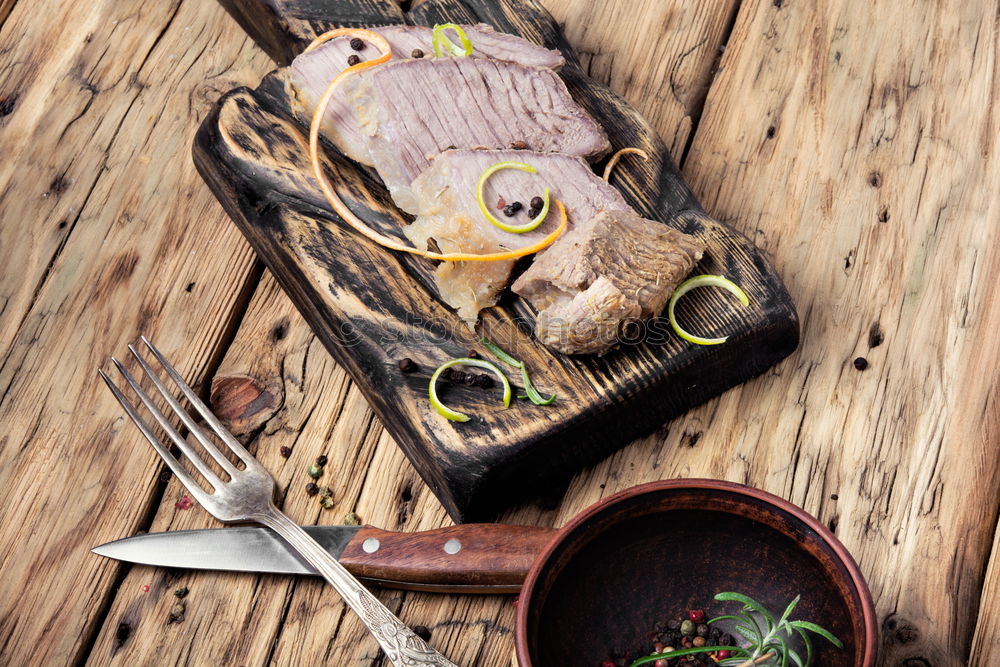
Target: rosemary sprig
<point x="766" y="634"/>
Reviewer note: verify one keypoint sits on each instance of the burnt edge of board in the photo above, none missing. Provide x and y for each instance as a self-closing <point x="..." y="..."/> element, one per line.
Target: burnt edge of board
<point x="649" y="392"/>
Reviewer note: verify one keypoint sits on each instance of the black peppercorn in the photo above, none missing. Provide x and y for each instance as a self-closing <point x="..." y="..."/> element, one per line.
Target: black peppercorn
<point x="321" y="460"/>
<point x="353" y="60"/>
<point x="533" y="213"/>
<point x="312" y="489"/>
<point x="357" y="43"/>
<point x="417" y="53"/>
<point x="484" y="381"/>
<point x="285" y="451"/>
<point x="537" y="203"/>
<point x="423" y="632"/>
<point x="861" y="363"/>
<point x="509" y="211"/>
<point x="407" y="365"/>
<point x="516" y="206"/>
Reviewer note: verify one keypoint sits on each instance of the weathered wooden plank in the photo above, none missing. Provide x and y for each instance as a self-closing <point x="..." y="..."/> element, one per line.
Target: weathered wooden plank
<point x="107" y="98"/>
<point x="840" y="137"/>
<point x="986" y="639"/>
<point x="660" y="58"/>
<point x="371" y="307"/>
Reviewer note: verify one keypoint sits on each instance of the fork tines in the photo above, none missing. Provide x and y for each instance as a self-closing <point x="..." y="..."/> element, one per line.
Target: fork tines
<point x="185" y="447"/>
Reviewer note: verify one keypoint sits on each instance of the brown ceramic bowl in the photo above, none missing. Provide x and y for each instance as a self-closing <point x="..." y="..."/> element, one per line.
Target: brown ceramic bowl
<point x="649" y="553"/>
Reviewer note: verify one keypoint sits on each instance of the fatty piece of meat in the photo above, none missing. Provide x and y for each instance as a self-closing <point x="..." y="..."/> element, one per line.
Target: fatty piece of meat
<point x="310" y="73"/>
<point x="589" y="322"/>
<point x="424" y="107"/>
<point x="611" y="267"/>
<point x="448" y="213"/>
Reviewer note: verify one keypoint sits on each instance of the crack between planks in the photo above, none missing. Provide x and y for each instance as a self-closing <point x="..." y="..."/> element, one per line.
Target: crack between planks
<point x="155" y="500"/>
<point x="93" y="186"/>
<point x="698" y="105"/>
<point x="100" y="618"/>
<point x="6" y="7"/>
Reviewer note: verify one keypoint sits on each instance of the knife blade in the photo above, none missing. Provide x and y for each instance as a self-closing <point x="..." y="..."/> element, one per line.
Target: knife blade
<point x="468" y="558"/>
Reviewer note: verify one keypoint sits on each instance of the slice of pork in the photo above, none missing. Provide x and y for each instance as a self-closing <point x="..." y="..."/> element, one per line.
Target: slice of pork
<point x="424" y="107"/>
<point x="448" y="213"/>
<point x="607" y="269"/>
<point x="310" y="73"/>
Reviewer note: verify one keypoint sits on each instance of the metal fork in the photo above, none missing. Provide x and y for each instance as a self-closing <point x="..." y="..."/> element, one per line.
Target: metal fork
<point x="247" y="496"/>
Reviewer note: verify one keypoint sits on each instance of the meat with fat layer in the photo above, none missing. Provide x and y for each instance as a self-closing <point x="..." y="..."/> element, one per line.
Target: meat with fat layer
<point x="610" y="268"/>
<point x="310" y="73"/>
<point x="448" y="213"/>
<point x="427" y="106"/>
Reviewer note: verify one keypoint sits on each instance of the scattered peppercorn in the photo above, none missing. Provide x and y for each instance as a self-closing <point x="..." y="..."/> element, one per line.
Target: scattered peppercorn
<point x="484" y="381"/>
<point x="518" y="145"/>
<point x="861" y="363"/>
<point x="537" y="203"/>
<point x="326" y="502"/>
<point x="417" y="53"/>
<point x="314" y="471"/>
<point x="312" y="489"/>
<point x="353" y="60"/>
<point x="687" y="628"/>
<point x="181" y="592"/>
<point x="285" y="451"/>
<point x="501" y="202"/>
<point x="702" y="630"/>
<point x="516" y="206"/>
<point x="351" y="519"/>
<point x="357" y="43"/>
<point x="698" y="641"/>
<point x="177" y="613"/>
<point x="145" y="588"/>
<point x="321" y="460"/>
<point x="509" y="211"/>
<point x="423" y="632"/>
<point x="696" y="615"/>
<point x="407" y="365"/>
<point x="325" y="491"/>
<point x="533" y="213"/>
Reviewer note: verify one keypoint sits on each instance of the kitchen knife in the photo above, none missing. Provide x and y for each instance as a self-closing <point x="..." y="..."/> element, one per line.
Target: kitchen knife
<point x="468" y="558"/>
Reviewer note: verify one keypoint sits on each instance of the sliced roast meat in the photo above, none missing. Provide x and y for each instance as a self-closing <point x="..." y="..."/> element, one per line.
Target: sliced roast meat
<point x="611" y="267"/>
<point x="310" y="73"/>
<point x="448" y="213"/>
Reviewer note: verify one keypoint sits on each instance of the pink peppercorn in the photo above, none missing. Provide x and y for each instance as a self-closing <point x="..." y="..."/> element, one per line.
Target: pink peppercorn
<point x="723" y="654"/>
<point x="696" y="615"/>
<point x="145" y="588"/>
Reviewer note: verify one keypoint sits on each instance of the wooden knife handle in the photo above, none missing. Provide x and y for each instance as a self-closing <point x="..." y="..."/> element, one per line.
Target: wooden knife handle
<point x="468" y="558"/>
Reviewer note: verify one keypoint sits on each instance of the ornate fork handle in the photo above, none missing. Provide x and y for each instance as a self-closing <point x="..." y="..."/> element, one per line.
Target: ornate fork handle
<point x="401" y="645"/>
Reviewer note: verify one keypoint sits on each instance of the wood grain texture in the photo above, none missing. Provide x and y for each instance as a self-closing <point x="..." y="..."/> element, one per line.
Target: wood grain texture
<point x="107" y="232"/>
<point x="850" y="158"/>
<point x="372" y="307"/>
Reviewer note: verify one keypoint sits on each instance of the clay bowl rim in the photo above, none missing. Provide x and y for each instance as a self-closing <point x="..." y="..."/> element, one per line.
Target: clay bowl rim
<point x="870" y="639"/>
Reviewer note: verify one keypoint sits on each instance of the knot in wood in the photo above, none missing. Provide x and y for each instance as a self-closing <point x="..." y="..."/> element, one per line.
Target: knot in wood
<point x="242" y="402"/>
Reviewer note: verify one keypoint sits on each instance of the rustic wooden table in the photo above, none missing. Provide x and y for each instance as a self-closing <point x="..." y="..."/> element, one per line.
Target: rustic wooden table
<point x="854" y="141"/>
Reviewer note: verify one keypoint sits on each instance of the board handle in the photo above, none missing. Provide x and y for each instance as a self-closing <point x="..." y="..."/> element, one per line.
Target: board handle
<point x="467" y="558"/>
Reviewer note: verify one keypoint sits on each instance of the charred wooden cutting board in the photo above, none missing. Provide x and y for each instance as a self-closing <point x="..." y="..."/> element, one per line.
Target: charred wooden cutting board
<point x="372" y="307"/>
